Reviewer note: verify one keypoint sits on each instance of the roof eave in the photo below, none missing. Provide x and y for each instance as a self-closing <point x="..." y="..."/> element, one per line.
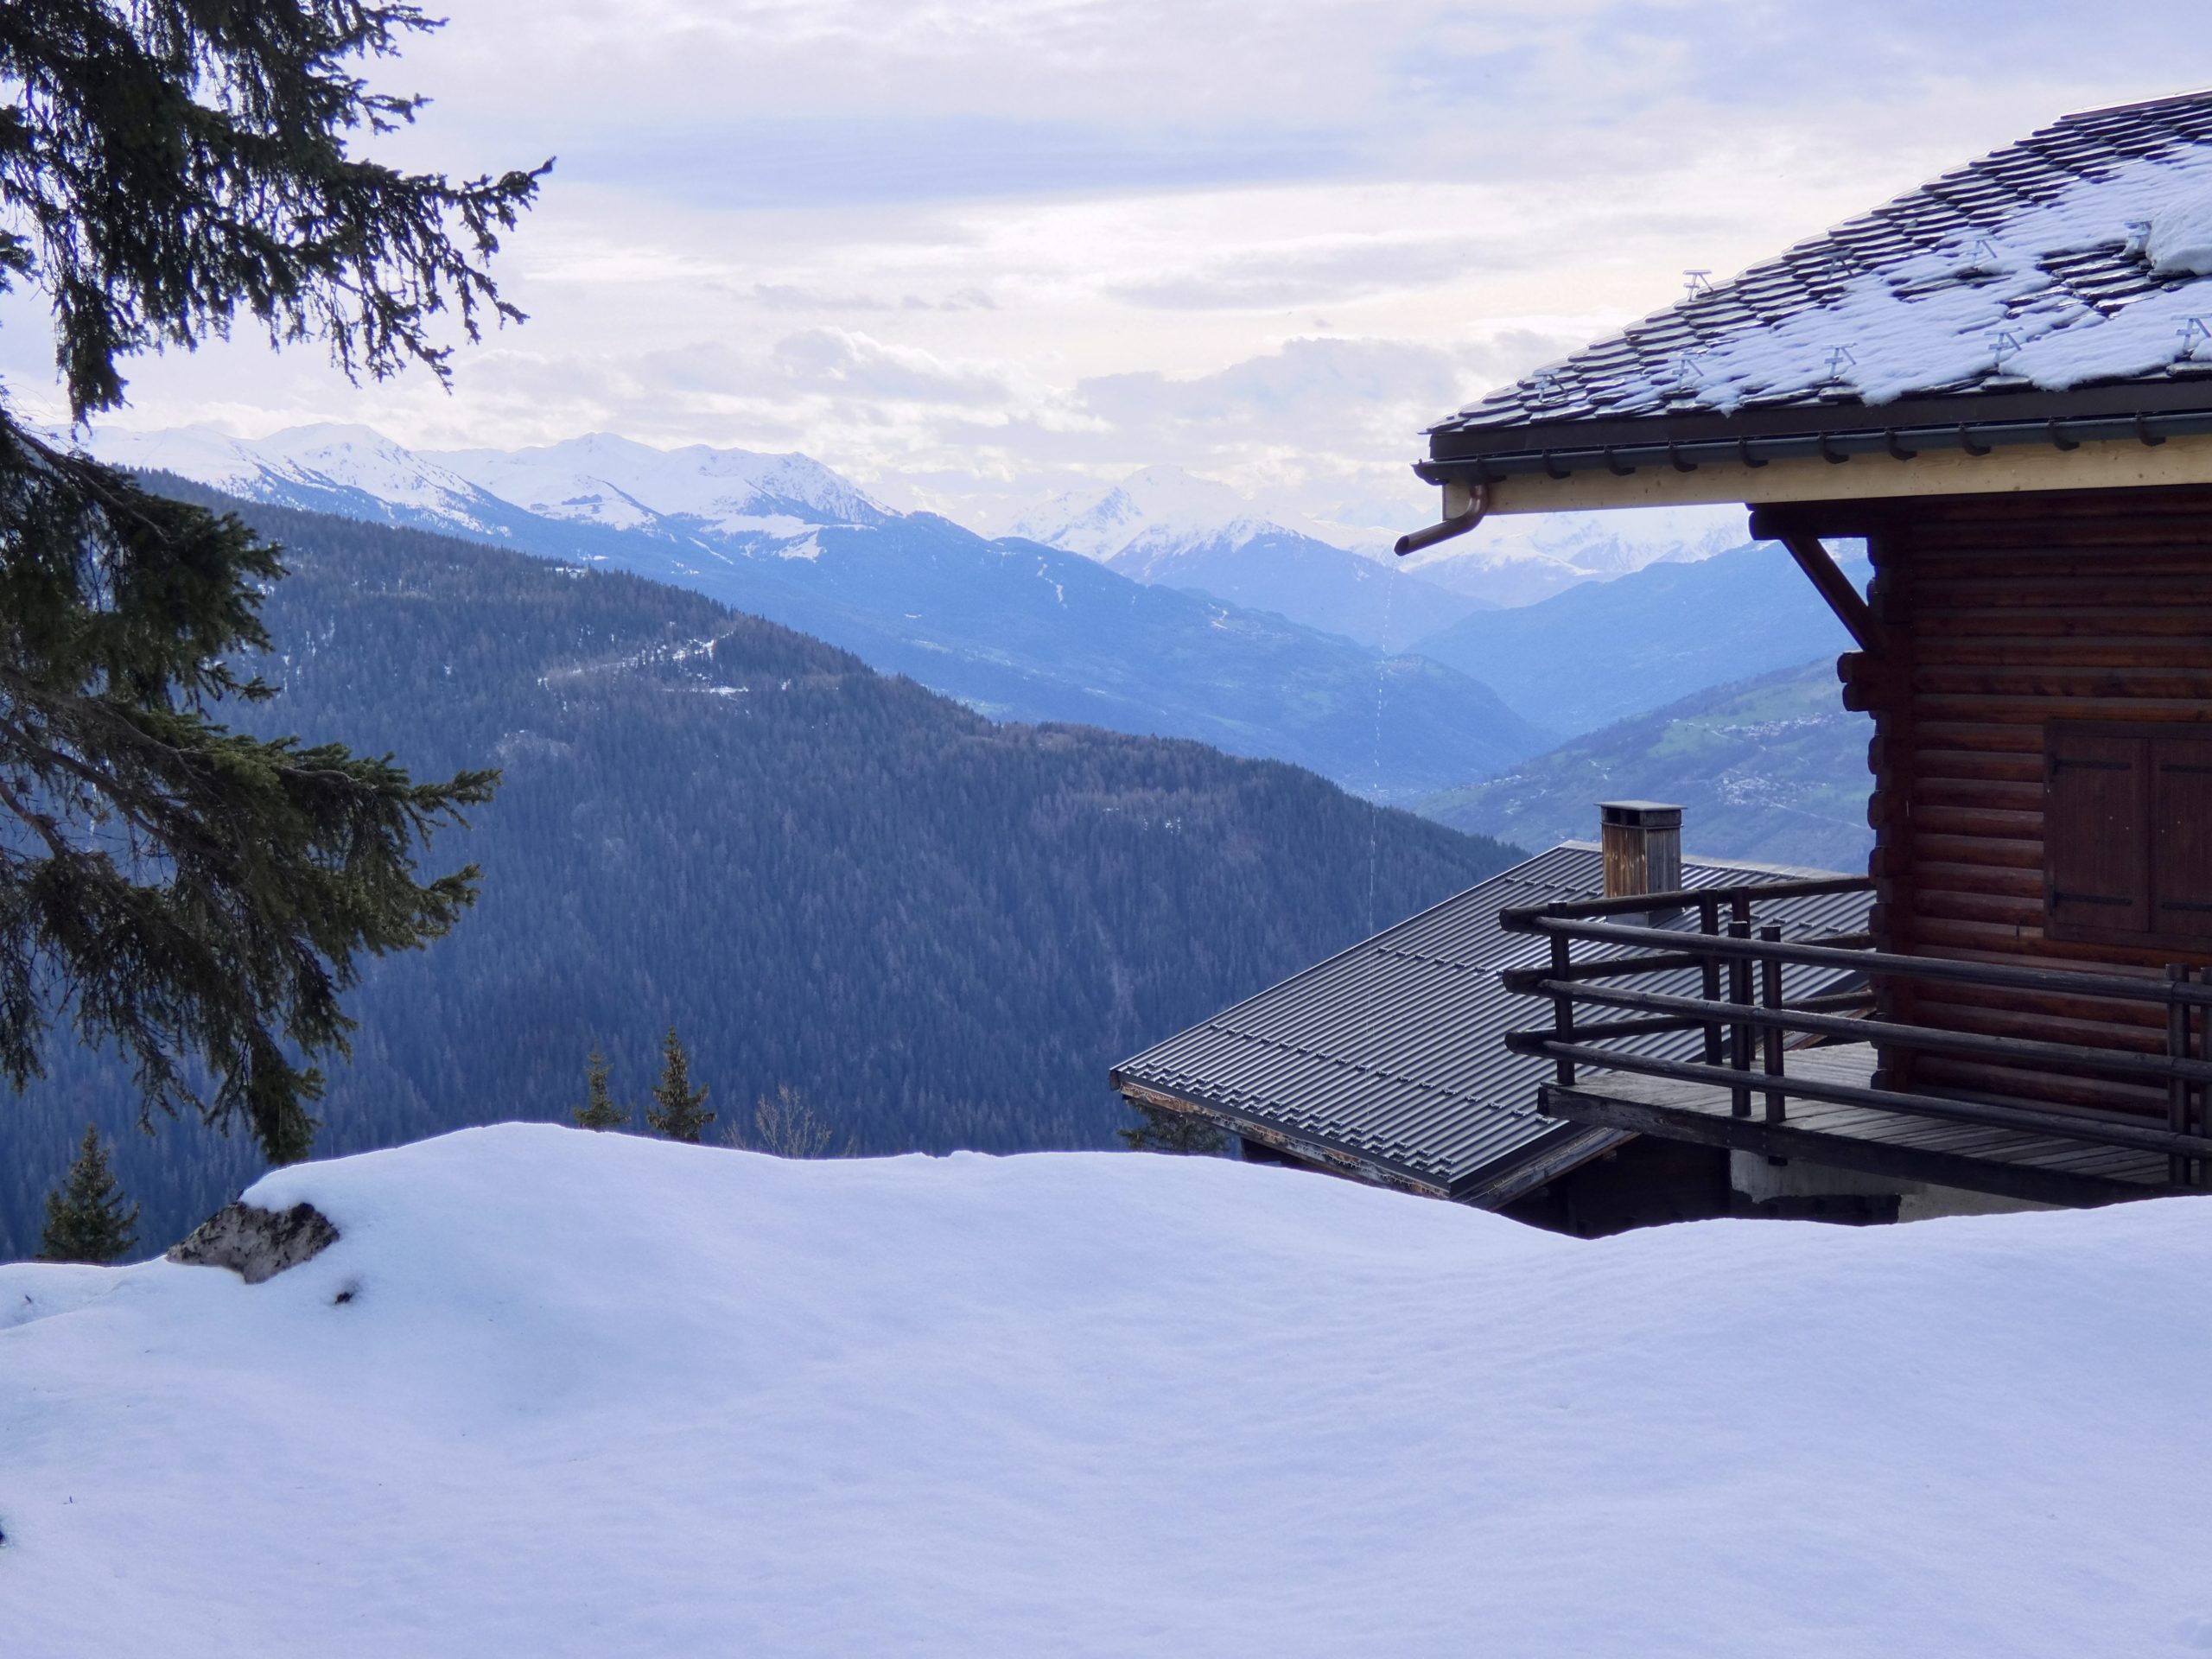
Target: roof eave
<point x="2148" y="411"/>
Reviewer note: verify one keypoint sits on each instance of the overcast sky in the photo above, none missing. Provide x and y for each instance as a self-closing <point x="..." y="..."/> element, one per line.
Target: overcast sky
<point x="1000" y="245"/>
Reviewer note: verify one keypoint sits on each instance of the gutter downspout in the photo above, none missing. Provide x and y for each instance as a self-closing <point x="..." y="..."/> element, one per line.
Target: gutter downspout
<point x="1458" y="523"/>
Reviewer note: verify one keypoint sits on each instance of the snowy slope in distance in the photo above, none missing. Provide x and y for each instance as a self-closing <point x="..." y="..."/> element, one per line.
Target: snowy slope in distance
<point x="590" y="1395"/>
<point x="1164" y="527"/>
<point x="729" y="495"/>
<point x="1163" y="524"/>
<point x="353" y="471"/>
<point x="614" y="482"/>
<point x="1162" y="505"/>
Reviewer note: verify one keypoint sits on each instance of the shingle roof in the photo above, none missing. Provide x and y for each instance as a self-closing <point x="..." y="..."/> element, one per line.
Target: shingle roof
<point x="2076" y="257"/>
<point x="1391" y="1051"/>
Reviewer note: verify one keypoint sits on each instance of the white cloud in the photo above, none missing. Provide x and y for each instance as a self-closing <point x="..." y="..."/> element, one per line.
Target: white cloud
<point x="1019" y="240"/>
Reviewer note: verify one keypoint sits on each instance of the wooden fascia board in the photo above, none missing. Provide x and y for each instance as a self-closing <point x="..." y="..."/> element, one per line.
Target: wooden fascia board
<point x="1551" y="1160"/>
<point x="1322" y="1154"/>
<point x="2117" y="464"/>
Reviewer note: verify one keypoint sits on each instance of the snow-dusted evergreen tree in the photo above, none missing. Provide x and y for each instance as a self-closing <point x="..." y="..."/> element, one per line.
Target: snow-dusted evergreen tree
<point x="675" y="1111"/>
<point x="599" y="1110"/>
<point x="85" y="1218"/>
<point x="203" y="898"/>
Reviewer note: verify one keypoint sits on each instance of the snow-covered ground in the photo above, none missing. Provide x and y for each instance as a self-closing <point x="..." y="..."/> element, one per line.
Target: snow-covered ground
<point x="601" y="1395"/>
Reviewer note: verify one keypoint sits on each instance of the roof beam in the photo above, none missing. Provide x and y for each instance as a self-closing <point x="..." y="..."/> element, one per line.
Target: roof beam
<point x="1815" y="560"/>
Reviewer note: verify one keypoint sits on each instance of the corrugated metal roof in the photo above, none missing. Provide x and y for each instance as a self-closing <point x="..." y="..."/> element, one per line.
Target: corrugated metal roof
<point x="2011" y="274"/>
<point x="1391" y="1051"/>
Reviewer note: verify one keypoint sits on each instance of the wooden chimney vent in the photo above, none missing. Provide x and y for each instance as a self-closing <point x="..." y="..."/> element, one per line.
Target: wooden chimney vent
<point x="1642" y="842"/>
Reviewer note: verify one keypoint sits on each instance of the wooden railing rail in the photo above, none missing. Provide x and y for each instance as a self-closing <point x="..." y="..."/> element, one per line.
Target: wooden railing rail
<point x="2119" y="987"/>
<point x="1745" y="1018"/>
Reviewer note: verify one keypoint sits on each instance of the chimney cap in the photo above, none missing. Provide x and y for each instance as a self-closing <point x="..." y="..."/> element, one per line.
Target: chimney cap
<point x="1650" y="815"/>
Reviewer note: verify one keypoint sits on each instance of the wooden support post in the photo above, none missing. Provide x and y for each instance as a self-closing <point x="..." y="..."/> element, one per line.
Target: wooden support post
<point x="1813" y="558"/>
<point x="2178" y="1088"/>
<point x="1708" y="923"/>
<point x="2193" y="1032"/>
<point x="1740" y="1035"/>
<point x="1771" y="995"/>
<point x="1562" y="1011"/>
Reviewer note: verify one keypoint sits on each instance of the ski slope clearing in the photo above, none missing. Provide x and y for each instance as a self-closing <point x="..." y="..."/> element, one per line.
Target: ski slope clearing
<point x="597" y="1396"/>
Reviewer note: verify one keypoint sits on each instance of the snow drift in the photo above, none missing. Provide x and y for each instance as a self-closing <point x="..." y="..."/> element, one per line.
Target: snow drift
<point x="591" y="1395"/>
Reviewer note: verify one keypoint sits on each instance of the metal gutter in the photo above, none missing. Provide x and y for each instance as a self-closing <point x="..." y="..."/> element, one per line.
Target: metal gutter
<point x="1837" y="446"/>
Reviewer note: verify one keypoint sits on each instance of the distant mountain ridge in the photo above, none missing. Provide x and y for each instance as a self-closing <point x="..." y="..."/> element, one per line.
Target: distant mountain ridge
<point x="1772" y="768"/>
<point x="350" y="471"/>
<point x="1514" y="560"/>
<point x="1266" y="567"/>
<point x="1607" y="650"/>
<point x="1165" y="528"/>
<point x="619" y="485"/>
<point x="1015" y="629"/>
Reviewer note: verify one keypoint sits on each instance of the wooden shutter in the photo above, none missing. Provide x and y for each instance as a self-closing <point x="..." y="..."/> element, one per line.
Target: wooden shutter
<point x="2181" y="836"/>
<point x="2096" y="830"/>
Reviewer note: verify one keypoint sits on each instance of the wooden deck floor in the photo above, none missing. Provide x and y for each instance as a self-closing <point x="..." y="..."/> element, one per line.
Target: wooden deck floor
<point x="2006" y="1161"/>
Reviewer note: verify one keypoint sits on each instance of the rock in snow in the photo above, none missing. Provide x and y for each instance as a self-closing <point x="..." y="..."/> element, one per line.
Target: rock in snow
<point x="554" y="1392"/>
<point x="256" y="1245"/>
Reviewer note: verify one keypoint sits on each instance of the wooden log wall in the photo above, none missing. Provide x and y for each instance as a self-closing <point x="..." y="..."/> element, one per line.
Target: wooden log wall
<point x="1996" y="615"/>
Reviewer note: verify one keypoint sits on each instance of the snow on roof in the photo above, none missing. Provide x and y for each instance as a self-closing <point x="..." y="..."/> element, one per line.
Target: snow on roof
<point x="2077" y="256"/>
<point x="595" y="1395"/>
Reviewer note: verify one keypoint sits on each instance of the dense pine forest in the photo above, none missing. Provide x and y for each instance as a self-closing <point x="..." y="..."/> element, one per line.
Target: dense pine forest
<point x="937" y="930"/>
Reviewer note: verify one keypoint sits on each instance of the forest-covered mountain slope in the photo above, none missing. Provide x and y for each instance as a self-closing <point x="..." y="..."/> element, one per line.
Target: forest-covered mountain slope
<point x="1607" y="650"/>
<point x="939" y="929"/>
<point x="1772" y="769"/>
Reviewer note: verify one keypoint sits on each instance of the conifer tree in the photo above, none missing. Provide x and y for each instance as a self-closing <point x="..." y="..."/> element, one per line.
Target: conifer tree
<point x="1164" y="1130"/>
<point x="599" y="1110"/>
<point x="675" y="1111"/>
<point x="200" y="897"/>
<point x="85" y="1218"/>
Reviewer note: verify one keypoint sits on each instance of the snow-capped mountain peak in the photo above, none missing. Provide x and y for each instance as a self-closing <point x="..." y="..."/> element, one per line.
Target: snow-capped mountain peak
<point x="624" y="485"/>
<point x="1156" y="508"/>
<point x="1516" y="560"/>
<point x="601" y="479"/>
<point x="352" y="470"/>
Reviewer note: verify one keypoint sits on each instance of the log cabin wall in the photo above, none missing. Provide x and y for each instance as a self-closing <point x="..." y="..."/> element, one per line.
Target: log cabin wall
<point x="1998" y="615"/>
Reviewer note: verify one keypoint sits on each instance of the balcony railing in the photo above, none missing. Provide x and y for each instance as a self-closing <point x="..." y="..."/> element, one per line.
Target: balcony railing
<point x="1748" y="1022"/>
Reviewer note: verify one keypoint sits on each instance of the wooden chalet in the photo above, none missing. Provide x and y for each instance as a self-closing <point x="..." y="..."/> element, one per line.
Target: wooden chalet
<point x="2002" y="382"/>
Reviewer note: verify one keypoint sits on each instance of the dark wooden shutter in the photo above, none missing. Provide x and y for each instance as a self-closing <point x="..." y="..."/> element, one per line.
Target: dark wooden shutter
<point x="2181" y="836"/>
<point x="2096" y="829"/>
